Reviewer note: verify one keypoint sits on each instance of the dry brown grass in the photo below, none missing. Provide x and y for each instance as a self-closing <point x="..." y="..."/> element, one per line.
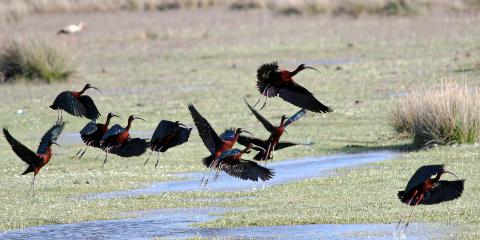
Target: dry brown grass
<point x="11" y="10"/>
<point x="446" y="114"/>
<point x="32" y="60"/>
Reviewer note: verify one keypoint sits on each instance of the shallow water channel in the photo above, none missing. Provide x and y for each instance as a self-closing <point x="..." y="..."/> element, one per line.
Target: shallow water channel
<point x="285" y="171"/>
<point x="179" y="223"/>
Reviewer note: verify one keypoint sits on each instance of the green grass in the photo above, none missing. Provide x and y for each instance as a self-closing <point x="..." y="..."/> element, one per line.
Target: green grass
<point x="34" y="60"/>
<point x="204" y="62"/>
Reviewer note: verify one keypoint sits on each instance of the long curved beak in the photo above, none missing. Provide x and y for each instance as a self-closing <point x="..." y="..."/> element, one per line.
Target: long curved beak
<point x="95" y="88"/>
<point x="308" y="67"/>
<point x="452" y="174"/>
<point x="56" y="144"/>
<point x="245" y="131"/>
<point x="115" y="115"/>
<point x="139" y="118"/>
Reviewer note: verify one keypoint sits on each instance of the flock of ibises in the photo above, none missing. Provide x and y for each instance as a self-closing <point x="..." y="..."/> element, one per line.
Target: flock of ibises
<point x="424" y="187"/>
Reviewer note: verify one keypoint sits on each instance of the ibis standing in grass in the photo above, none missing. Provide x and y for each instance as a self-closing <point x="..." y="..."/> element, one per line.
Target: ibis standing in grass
<point x="117" y="137"/>
<point x="275" y="134"/>
<point x="425" y="187"/>
<point x="43" y="155"/>
<point x="93" y="132"/>
<point x="167" y="135"/>
<point x="272" y="81"/>
<point x="76" y="104"/>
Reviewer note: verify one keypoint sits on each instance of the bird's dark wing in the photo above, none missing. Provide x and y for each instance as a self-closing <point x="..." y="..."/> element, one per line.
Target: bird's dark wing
<point x="89" y="129"/>
<point x="422" y="174"/>
<point x="260" y="118"/>
<point x="132" y="148"/>
<point x="295" y="117"/>
<point x="164" y="128"/>
<point x="92" y="112"/>
<point x="183" y="133"/>
<point x="245" y="141"/>
<point x="267" y="74"/>
<point x="67" y="102"/>
<point x="207" y="161"/>
<point x="443" y="191"/>
<point x="114" y="130"/>
<point x="246" y="170"/>
<point x="209" y="137"/>
<point x="50" y="136"/>
<point x="301" y="97"/>
<point x="21" y="150"/>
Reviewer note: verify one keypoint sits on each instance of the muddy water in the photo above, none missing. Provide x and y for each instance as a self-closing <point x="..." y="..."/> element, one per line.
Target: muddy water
<point x="179" y="224"/>
<point x="285" y="171"/>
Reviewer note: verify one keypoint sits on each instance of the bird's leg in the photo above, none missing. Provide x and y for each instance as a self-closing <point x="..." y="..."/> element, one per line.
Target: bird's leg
<point x="151" y="152"/>
<point x="409" y="217"/>
<point x="61" y="115"/>
<point x="267" y="153"/>
<point x="207" y="172"/>
<point x="81" y="155"/>
<point x="266" y="94"/>
<point x="263" y="93"/>
<point x="409" y="202"/>
<point x="217" y="172"/>
<point x="78" y="152"/>
<point x="158" y="156"/>
<point x="211" y="167"/>
<point x="58" y="115"/>
<point x="106" y="156"/>
<point x="33" y="185"/>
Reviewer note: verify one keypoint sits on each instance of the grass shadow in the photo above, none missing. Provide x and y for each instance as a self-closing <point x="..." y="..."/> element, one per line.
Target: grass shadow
<point x="399" y="147"/>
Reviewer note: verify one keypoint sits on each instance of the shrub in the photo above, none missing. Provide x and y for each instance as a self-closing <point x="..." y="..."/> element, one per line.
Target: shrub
<point x="33" y="60"/>
<point x="446" y="114"/>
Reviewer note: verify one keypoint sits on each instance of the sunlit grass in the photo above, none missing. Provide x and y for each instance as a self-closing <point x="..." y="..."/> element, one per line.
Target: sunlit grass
<point x="156" y="78"/>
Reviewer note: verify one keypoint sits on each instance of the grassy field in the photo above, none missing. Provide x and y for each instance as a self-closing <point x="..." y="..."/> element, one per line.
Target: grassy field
<point x="152" y="64"/>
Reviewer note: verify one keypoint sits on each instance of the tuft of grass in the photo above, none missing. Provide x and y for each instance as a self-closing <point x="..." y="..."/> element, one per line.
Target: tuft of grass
<point x="446" y="114"/>
<point x="34" y="60"/>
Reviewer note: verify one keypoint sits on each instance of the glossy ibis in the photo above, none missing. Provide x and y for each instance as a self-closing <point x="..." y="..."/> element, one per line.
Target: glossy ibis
<point x="425" y="187"/>
<point x="117" y="137"/>
<point x="72" y="28"/>
<point x="231" y="162"/>
<point x="275" y="132"/>
<point x="93" y="132"/>
<point x="168" y="134"/>
<point x="215" y="145"/>
<point x="271" y="81"/>
<point x="39" y="159"/>
<point x="76" y="104"/>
